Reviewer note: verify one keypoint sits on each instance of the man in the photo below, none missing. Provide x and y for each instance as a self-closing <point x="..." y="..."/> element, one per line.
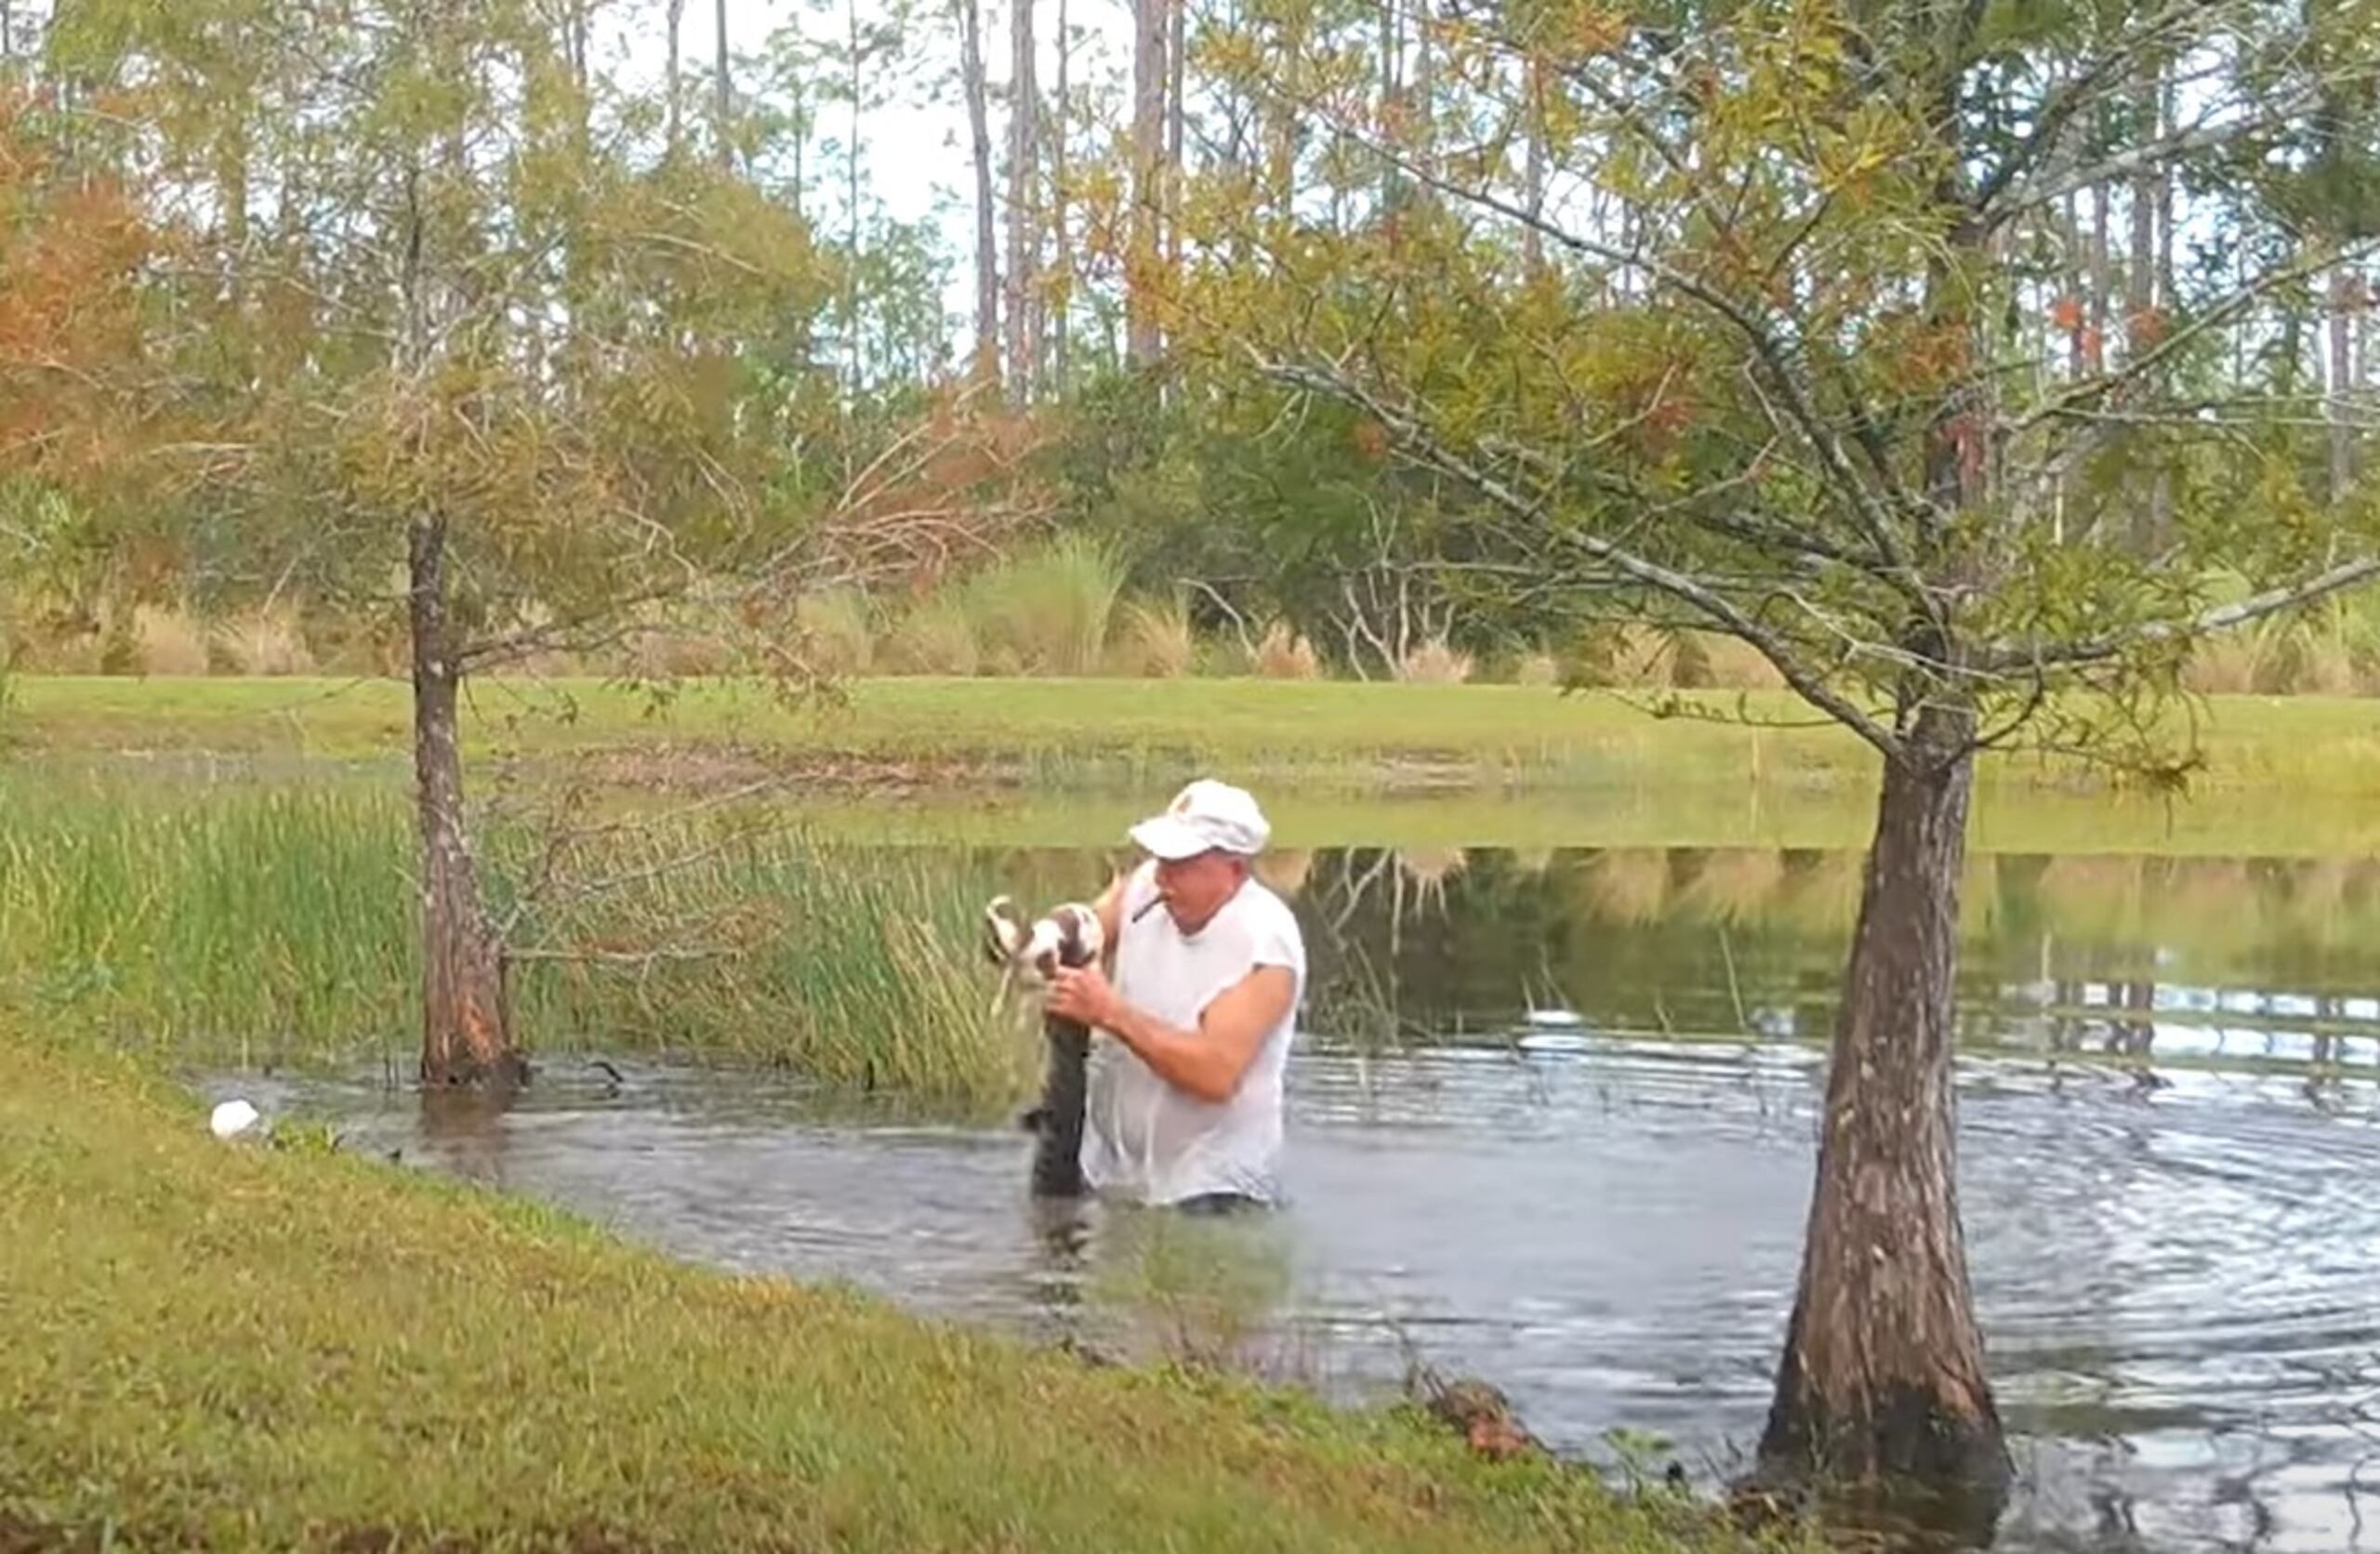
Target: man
<point x="1190" y="1040"/>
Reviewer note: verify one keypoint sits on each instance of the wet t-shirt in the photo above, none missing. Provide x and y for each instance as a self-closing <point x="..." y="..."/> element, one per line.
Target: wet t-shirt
<point x="1142" y="1138"/>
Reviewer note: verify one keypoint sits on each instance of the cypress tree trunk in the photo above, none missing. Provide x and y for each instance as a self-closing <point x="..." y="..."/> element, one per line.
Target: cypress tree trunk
<point x="1883" y="1374"/>
<point x="465" y="1039"/>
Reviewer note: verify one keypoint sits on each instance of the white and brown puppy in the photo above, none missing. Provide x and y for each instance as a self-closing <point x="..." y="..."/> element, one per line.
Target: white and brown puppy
<point x="1066" y="935"/>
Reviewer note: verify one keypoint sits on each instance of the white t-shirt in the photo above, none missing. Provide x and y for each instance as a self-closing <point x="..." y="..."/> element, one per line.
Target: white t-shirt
<point x="1142" y="1138"/>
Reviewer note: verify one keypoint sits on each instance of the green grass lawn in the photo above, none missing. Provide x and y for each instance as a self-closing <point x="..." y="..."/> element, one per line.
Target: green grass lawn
<point x="226" y="1346"/>
<point x="1365" y="735"/>
<point x="1266" y="723"/>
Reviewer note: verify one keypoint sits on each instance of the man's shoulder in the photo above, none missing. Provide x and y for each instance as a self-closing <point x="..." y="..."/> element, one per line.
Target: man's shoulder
<point x="1271" y="902"/>
<point x="1268" y="911"/>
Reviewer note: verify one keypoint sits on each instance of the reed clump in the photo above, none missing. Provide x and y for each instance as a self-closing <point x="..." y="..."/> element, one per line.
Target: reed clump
<point x="251" y="924"/>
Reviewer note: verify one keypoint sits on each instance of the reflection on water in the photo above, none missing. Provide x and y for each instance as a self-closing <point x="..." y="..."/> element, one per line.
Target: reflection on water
<point x="2171" y="958"/>
<point x="1505" y="1159"/>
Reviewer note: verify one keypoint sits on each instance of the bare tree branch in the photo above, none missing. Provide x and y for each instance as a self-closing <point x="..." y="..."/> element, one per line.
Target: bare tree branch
<point x="1239" y="622"/>
<point x="641" y="959"/>
<point x="2145" y="156"/>
<point x="2256" y="607"/>
<point x="2076" y="395"/>
<point x="1867" y="509"/>
<point x="588" y="630"/>
<point x="2069" y="97"/>
<point x="1722" y="613"/>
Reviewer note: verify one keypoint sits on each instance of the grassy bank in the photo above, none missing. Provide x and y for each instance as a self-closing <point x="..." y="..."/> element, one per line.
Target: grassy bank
<point x="2241" y="822"/>
<point x="231" y="924"/>
<point x="929" y="732"/>
<point x="225" y="1346"/>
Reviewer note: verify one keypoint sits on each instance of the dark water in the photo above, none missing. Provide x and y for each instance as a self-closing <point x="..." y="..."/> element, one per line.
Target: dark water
<point x="1554" y="1127"/>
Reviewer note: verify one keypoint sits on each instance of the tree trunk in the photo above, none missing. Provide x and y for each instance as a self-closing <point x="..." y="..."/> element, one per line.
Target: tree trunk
<point x="465" y="1037"/>
<point x="677" y="14"/>
<point x="1143" y="339"/>
<point x="1425" y="86"/>
<point x="1533" y="168"/>
<point x="2160" y="480"/>
<point x="583" y="103"/>
<point x="801" y="155"/>
<point x="851" y="193"/>
<point x="987" y="263"/>
<point x="2102" y="282"/>
<point x="2359" y="381"/>
<point x="1177" y="53"/>
<point x="2071" y="317"/>
<point x="1024" y="151"/>
<point x="2346" y="292"/>
<point x="1388" y="90"/>
<point x="2141" y="331"/>
<point x="1883" y="1374"/>
<point x="232" y="190"/>
<point x="723" y="91"/>
<point x="2076" y="290"/>
<point x="573" y="43"/>
<point x="1062" y="242"/>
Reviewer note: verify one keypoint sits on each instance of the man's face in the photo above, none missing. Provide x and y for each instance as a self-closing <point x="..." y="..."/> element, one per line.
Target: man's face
<point x="1195" y="888"/>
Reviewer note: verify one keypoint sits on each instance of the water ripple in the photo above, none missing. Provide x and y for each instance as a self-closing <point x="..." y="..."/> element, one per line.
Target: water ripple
<point x="2177" y="1279"/>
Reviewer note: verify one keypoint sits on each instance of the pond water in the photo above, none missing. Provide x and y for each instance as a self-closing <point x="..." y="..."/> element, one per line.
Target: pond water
<point x="1553" y="1124"/>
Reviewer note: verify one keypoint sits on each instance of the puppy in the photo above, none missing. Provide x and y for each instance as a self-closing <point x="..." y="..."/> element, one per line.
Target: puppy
<point x="1030" y="953"/>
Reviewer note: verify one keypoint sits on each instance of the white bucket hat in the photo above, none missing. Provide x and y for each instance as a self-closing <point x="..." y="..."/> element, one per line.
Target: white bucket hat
<point x="1205" y="816"/>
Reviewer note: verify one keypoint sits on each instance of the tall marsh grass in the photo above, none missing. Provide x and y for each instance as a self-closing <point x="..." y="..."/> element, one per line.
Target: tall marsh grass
<point x="264" y="643"/>
<point x="839" y="630"/>
<point x="279" y="925"/>
<point x="937" y="637"/>
<point x="1157" y="641"/>
<point x="1047" y="612"/>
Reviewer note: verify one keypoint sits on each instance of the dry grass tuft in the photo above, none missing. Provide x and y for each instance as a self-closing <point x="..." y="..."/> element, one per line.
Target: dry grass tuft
<point x="1157" y="640"/>
<point x="1713" y="660"/>
<point x="267" y="641"/>
<point x="937" y="637"/>
<point x="838" y="632"/>
<point x="1433" y="662"/>
<point x="166" y="641"/>
<point x="1281" y="653"/>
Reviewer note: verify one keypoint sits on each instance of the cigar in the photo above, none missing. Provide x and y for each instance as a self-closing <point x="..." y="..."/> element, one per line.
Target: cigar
<point x="1148" y="906"/>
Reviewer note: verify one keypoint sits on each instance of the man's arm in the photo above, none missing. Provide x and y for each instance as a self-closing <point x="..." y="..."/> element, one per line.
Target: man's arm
<point x="1205" y="1064"/>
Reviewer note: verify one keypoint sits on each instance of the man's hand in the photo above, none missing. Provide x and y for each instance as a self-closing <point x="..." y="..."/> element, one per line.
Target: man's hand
<point x="1205" y="1062"/>
<point x="1083" y="994"/>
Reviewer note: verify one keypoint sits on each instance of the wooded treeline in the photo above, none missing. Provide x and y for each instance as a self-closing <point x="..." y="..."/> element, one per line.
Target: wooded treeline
<point x="232" y="179"/>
